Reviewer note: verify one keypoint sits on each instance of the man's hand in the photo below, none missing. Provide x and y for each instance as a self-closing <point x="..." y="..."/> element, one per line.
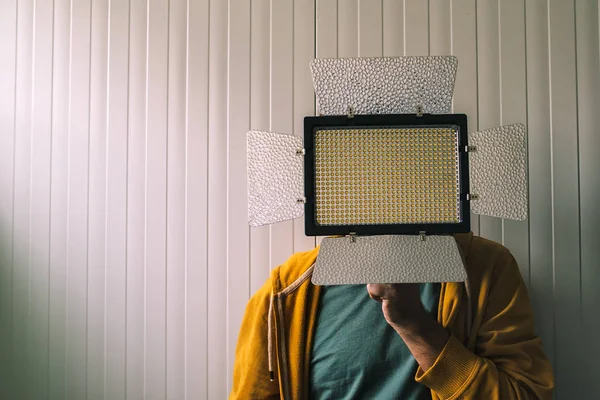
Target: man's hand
<point x="400" y="303"/>
<point x="403" y="311"/>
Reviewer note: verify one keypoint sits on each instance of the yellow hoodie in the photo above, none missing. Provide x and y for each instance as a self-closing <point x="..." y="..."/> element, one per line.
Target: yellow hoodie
<point x="493" y="352"/>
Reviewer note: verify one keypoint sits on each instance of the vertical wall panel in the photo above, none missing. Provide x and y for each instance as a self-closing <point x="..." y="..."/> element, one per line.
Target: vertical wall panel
<point x="541" y="282"/>
<point x="196" y="286"/>
<point x="327" y="28"/>
<point x="136" y="204"/>
<point x="347" y="28"/>
<point x="440" y="27"/>
<point x="39" y="239"/>
<point x="8" y="48"/>
<point x="96" y="265"/>
<point x="238" y="123"/>
<point x="489" y="96"/>
<point x="304" y="98"/>
<point x="260" y="95"/>
<point x="464" y="47"/>
<point x="588" y="100"/>
<point x="57" y="280"/>
<point x="565" y="195"/>
<point x="370" y="28"/>
<point x="84" y="116"/>
<point x="282" y="81"/>
<point x="176" y="142"/>
<point x="416" y="28"/>
<point x="156" y="199"/>
<point x="393" y="28"/>
<point x="22" y="197"/>
<point x="217" y="201"/>
<point x="513" y="88"/>
<point x="116" y="201"/>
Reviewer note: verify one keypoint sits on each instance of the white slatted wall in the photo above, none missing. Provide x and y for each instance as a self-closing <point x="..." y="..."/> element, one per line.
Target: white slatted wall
<point x="125" y="256"/>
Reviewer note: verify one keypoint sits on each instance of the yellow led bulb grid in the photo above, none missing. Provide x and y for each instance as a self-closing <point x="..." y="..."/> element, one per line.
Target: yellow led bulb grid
<point x="386" y="176"/>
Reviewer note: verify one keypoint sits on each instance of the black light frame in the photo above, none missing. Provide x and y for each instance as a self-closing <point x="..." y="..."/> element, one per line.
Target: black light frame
<point x="313" y="124"/>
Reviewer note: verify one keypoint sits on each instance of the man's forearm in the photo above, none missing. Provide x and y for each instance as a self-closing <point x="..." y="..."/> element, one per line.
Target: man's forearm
<point x="424" y="337"/>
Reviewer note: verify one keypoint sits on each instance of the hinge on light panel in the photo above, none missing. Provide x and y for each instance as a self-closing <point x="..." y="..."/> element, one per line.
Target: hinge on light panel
<point x="422" y="236"/>
<point x="470" y="149"/>
<point x="352" y="236"/>
<point x="350" y="112"/>
<point x="300" y="152"/>
<point x="472" y="196"/>
<point x="420" y="110"/>
<point x="301" y="200"/>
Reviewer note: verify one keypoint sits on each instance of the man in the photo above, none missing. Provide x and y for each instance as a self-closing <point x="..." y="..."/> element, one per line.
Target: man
<point x="472" y="340"/>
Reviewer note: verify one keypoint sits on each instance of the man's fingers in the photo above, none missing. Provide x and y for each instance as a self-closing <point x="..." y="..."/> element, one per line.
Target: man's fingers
<point x="386" y="291"/>
<point x="379" y="291"/>
<point x="376" y="298"/>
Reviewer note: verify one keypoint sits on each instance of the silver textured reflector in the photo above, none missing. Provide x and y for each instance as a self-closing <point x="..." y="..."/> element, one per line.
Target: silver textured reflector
<point x="387" y="85"/>
<point x="498" y="172"/>
<point x="388" y="259"/>
<point x="275" y="177"/>
<point x="386" y="176"/>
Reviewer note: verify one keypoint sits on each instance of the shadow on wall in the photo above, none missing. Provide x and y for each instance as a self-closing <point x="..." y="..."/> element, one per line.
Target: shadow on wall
<point x="34" y="330"/>
<point x="5" y="315"/>
<point x="540" y="300"/>
<point x="24" y="351"/>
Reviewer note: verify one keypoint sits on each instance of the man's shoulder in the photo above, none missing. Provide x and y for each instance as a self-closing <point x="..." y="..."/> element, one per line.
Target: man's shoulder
<point x="486" y="257"/>
<point x="482" y="245"/>
<point x="295" y="267"/>
<point x="473" y="245"/>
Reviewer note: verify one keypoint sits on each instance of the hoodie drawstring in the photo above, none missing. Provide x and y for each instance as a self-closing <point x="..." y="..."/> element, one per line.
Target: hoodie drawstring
<point x="270" y="339"/>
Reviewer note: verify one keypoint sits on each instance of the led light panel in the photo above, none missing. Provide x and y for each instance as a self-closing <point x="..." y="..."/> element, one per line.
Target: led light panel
<point x="386" y="164"/>
<point x="392" y="174"/>
<point x="388" y="259"/>
<point x="384" y="85"/>
<point x="274" y="177"/>
<point x="372" y="176"/>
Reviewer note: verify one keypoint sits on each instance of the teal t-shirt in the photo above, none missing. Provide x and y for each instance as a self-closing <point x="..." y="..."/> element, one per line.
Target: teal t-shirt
<point x="356" y="354"/>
